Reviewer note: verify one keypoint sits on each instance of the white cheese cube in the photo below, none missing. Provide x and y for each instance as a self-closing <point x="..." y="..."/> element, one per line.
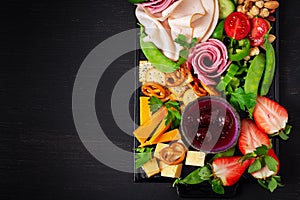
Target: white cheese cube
<point x="195" y="158"/>
<point x="172" y="171"/>
<point x="151" y="167"/>
<point x="158" y="148"/>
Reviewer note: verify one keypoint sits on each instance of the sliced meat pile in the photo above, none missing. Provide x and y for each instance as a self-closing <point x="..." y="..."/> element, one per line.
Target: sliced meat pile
<point x="164" y="20"/>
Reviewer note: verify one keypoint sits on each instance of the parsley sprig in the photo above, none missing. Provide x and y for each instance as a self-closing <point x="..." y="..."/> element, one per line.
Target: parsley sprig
<point x="142" y="156"/>
<point x="173" y="107"/>
<point x="182" y="41"/>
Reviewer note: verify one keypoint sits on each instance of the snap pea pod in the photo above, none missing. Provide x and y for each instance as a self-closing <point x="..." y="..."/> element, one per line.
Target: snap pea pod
<point x="155" y="56"/>
<point x="218" y="32"/>
<point x="269" y="69"/>
<point x="254" y="74"/>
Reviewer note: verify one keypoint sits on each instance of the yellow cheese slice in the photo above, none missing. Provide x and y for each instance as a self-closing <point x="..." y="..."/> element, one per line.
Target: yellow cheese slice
<point x="160" y="130"/>
<point x="145" y="113"/>
<point x="144" y="131"/>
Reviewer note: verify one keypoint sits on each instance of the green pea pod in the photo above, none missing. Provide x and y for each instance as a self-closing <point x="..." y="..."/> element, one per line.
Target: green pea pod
<point x="155" y="56"/>
<point x="254" y="74"/>
<point x="218" y="32"/>
<point x="269" y="69"/>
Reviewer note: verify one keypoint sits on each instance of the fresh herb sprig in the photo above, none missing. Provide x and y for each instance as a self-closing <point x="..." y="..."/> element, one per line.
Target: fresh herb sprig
<point x="137" y="1"/>
<point x="173" y="107"/>
<point x="182" y="41"/>
<point x="143" y="155"/>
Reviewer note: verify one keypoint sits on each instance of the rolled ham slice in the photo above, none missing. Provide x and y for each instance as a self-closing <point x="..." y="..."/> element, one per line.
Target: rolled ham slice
<point x="208" y="60"/>
<point x="156" y="6"/>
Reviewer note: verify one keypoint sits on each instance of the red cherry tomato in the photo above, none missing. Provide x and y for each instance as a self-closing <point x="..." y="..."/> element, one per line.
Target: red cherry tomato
<point x="259" y="28"/>
<point x="258" y="31"/>
<point x="237" y="25"/>
<point x="256" y="42"/>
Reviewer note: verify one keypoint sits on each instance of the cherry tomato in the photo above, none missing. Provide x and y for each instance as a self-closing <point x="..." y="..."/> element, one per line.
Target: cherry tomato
<point x="237" y="25"/>
<point x="256" y="42"/>
<point x="259" y="28"/>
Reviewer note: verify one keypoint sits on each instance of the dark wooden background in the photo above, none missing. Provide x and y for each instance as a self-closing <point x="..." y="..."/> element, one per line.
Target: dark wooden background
<point x="42" y="45"/>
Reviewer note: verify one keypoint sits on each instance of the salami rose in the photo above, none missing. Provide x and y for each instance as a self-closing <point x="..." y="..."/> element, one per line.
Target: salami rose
<point x="209" y="60"/>
<point x="157" y="6"/>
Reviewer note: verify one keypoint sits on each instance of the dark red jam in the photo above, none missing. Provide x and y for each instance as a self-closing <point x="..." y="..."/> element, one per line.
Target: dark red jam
<point x="210" y="124"/>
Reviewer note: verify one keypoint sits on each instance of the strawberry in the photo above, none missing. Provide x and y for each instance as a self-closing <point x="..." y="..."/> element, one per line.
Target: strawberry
<point x="269" y="116"/>
<point x="229" y="169"/>
<point x="265" y="172"/>
<point x="251" y="137"/>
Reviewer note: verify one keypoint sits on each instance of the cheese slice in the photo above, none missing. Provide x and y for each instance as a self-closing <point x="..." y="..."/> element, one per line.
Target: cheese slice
<point x="195" y="158"/>
<point x="145" y="114"/>
<point x="160" y="130"/>
<point x="144" y="131"/>
<point x="169" y="136"/>
<point x="151" y="167"/>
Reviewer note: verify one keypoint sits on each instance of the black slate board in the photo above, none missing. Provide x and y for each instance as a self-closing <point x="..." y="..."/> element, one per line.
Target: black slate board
<point x="204" y="190"/>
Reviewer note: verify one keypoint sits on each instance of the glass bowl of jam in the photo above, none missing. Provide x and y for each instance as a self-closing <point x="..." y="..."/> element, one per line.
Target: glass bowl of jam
<point x="210" y="124"/>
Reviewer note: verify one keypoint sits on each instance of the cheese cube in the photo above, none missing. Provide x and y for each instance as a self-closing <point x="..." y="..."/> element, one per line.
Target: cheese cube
<point x="195" y="158"/>
<point x="172" y="171"/>
<point x="151" y="167"/>
<point x="158" y="148"/>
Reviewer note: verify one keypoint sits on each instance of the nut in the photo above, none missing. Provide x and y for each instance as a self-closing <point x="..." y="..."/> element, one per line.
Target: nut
<point x="249" y="15"/>
<point x="240" y="2"/>
<point x="271" y="38"/>
<point x="247" y="58"/>
<point x="271" y="5"/>
<point x="239" y="8"/>
<point x="247" y="6"/>
<point x="259" y="4"/>
<point x="254" y="10"/>
<point x="254" y="51"/>
<point x="264" y="13"/>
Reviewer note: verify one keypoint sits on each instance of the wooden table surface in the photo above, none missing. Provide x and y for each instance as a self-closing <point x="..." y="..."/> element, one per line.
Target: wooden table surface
<point x="43" y="44"/>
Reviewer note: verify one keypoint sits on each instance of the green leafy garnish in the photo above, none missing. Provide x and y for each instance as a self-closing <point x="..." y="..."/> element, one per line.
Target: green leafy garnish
<point x="228" y="153"/>
<point x="217" y="186"/>
<point x="143" y="155"/>
<point x="183" y="54"/>
<point x="242" y="101"/>
<point x="155" y="103"/>
<point x="195" y="177"/>
<point x="271" y="183"/>
<point x="255" y="166"/>
<point x="271" y="163"/>
<point x="173" y="107"/>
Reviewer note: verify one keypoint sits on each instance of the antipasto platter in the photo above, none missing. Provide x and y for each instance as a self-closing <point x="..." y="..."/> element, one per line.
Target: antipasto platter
<point x="207" y="95"/>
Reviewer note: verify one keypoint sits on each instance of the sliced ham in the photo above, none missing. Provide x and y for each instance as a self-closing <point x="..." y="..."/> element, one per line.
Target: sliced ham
<point x="192" y="18"/>
<point x="209" y="60"/>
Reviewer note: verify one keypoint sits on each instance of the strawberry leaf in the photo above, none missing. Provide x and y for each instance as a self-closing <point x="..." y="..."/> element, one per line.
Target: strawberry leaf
<point x="247" y="156"/>
<point x="217" y="186"/>
<point x="272" y="184"/>
<point x="255" y="166"/>
<point x="262" y="183"/>
<point x="271" y="163"/>
<point x="262" y="150"/>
